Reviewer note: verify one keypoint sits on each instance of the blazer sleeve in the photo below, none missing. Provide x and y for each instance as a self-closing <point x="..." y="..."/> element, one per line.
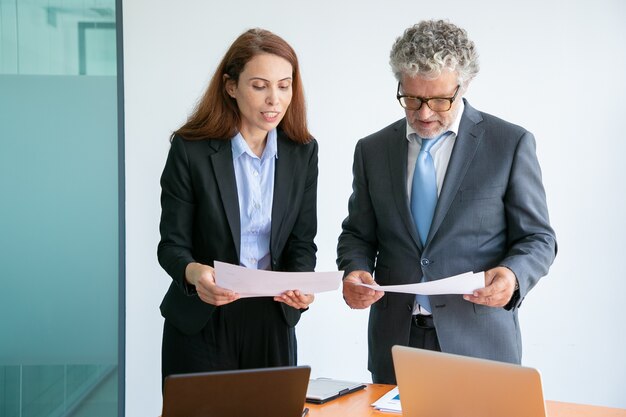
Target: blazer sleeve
<point x="531" y="240"/>
<point x="357" y="246"/>
<point x="177" y="213"/>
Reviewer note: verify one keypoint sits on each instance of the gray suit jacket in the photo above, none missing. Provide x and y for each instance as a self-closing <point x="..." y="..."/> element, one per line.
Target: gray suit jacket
<point x="491" y="211"/>
<point x="200" y="219"/>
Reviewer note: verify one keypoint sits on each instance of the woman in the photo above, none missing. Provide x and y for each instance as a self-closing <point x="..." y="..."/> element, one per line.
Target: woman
<point x="239" y="186"/>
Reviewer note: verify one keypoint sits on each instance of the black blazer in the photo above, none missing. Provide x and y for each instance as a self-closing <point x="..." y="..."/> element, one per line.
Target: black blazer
<point x="200" y="219"/>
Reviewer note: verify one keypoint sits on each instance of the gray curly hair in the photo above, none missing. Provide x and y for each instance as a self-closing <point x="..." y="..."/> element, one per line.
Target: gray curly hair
<point x="432" y="46"/>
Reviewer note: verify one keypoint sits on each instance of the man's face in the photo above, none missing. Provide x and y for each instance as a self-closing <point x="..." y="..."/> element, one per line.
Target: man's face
<point x="426" y="122"/>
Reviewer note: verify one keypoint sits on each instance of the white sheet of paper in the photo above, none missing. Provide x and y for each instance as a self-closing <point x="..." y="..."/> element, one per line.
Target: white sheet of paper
<point x="390" y="402"/>
<point x="458" y="284"/>
<point x="259" y="283"/>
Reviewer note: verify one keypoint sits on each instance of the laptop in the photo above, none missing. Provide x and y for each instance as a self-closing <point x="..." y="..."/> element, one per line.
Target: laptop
<point x="265" y="392"/>
<point x="435" y="384"/>
<point x="322" y="390"/>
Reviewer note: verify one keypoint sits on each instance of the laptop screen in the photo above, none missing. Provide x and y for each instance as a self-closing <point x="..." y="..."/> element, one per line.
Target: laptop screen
<point x="440" y="384"/>
<point x="262" y="392"/>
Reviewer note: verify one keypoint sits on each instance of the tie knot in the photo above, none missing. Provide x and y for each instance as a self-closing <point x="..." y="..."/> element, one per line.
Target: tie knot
<point x="427" y="144"/>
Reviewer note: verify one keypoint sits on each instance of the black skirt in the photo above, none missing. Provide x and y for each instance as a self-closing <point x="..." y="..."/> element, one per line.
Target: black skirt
<point x="245" y="334"/>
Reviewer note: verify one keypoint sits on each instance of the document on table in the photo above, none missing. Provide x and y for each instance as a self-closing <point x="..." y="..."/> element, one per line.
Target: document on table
<point x="390" y="402"/>
<point x="260" y="283"/>
<point x="458" y="284"/>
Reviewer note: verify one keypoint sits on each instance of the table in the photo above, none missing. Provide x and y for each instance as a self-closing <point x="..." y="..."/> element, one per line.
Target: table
<point x="358" y="404"/>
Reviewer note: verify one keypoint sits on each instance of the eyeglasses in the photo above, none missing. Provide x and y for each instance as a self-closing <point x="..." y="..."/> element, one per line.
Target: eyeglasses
<point x="439" y="104"/>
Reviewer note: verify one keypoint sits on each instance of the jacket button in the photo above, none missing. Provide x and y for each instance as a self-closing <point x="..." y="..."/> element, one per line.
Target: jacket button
<point x="425" y="262"/>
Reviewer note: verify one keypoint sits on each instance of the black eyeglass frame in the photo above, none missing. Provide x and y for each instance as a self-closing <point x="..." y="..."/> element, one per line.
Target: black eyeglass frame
<point x="423" y="100"/>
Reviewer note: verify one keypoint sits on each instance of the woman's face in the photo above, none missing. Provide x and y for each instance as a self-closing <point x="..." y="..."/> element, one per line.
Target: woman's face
<point x="263" y="94"/>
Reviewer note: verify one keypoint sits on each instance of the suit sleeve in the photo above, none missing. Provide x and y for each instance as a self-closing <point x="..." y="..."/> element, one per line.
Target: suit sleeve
<point x="177" y="213"/>
<point x="531" y="239"/>
<point x="358" y="244"/>
<point x="300" y="248"/>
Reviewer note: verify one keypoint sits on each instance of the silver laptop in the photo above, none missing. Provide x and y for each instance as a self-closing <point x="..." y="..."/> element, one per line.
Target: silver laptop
<point x="322" y="390"/>
<point x="435" y="384"/>
<point x="266" y="392"/>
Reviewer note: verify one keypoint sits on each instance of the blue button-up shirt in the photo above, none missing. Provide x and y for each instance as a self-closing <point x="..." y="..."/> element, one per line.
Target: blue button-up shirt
<point x="255" y="189"/>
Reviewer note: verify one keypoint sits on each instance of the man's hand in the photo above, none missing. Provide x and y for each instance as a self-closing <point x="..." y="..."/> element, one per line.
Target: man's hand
<point x="499" y="287"/>
<point x="357" y="296"/>
<point x="203" y="278"/>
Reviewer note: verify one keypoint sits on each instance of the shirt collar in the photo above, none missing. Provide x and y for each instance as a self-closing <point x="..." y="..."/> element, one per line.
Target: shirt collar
<point x="240" y="146"/>
<point x="454" y="127"/>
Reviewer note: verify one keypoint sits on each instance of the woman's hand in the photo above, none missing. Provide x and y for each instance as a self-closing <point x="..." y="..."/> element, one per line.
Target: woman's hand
<point x="295" y="299"/>
<point x="203" y="278"/>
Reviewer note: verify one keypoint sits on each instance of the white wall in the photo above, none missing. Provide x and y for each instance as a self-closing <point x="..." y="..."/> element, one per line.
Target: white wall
<point x="555" y="67"/>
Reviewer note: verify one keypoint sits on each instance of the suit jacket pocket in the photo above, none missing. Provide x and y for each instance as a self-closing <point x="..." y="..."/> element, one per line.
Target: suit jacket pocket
<point x="483" y="310"/>
<point x="482" y="193"/>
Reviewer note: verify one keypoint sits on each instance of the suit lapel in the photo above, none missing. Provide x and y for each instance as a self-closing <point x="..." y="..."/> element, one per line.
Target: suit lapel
<point x="224" y="172"/>
<point x="398" y="147"/>
<point x="283" y="182"/>
<point x="467" y="142"/>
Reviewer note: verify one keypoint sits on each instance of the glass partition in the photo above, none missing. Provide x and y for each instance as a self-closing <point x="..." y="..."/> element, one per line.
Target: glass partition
<point x="59" y="210"/>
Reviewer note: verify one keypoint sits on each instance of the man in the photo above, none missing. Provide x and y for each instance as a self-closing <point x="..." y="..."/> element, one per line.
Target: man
<point x="445" y="190"/>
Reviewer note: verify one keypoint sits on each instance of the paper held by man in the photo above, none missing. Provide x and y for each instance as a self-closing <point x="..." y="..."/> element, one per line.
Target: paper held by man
<point x="260" y="283"/>
<point x="465" y="283"/>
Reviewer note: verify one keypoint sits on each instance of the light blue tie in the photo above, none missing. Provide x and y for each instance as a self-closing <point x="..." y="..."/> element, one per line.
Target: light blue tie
<point x="424" y="198"/>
